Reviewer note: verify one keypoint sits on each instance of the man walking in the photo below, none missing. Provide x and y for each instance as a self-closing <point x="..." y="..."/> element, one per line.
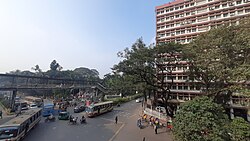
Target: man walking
<point x="1" y="114"/>
<point x="155" y="128"/>
<point x="116" y="119"/>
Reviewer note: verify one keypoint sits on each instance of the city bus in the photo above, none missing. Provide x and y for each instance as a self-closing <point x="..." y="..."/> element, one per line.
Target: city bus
<point x="36" y="100"/>
<point x="16" y="128"/>
<point x="48" y="109"/>
<point x="99" y="108"/>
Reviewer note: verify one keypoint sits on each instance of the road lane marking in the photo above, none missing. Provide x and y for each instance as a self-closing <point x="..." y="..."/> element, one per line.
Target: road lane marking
<point x="116" y="133"/>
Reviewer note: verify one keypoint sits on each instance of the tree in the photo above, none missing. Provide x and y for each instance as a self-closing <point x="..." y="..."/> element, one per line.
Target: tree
<point x="239" y="130"/>
<point x="36" y="69"/>
<point x="201" y="120"/>
<point x="147" y="66"/>
<point x="219" y="60"/>
<point x="120" y="84"/>
<point x="55" y="66"/>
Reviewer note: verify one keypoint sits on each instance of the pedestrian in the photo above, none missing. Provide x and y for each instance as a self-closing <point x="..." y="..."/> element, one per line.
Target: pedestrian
<point x="155" y="128"/>
<point x="144" y="139"/>
<point x="1" y="114"/>
<point x="116" y="119"/>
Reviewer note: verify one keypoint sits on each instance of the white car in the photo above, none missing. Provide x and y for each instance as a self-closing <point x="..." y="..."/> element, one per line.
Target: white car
<point x="138" y="100"/>
<point x="32" y="106"/>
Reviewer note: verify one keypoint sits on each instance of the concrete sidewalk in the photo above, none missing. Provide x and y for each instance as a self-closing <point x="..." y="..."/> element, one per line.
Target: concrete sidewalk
<point x="130" y="132"/>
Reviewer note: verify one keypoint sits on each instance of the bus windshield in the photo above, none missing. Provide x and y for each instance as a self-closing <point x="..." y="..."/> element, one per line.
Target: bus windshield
<point x="8" y="132"/>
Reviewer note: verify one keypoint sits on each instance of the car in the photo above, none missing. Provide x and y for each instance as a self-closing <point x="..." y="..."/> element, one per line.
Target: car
<point x="138" y="100"/>
<point x="79" y="109"/>
<point x="33" y="105"/>
<point x="63" y="116"/>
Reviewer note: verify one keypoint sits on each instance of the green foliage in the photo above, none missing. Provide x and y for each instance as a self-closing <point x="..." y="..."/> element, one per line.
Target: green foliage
<point x="239" y="129"/>
<point x="144" y="64"/>
<point x="220" y="57"/>
<point x="200" y="120"/>
<point x="125" y="99"/>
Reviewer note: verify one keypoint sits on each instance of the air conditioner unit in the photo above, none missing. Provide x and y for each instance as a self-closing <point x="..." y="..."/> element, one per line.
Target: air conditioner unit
<point x="172" y="34"/>
<point x="232" y="14"/>
<point x="193" y="13"/>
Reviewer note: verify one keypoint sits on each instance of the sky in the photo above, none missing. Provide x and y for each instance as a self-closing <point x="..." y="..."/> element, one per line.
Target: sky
<point x="75" y="33"/>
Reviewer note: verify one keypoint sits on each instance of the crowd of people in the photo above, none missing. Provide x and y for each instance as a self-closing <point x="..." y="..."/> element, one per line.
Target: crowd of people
<point x="155" y="122"/>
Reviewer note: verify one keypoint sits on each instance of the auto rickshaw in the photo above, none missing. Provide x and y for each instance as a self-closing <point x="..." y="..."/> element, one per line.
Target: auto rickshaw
<point x="63" y="115"/>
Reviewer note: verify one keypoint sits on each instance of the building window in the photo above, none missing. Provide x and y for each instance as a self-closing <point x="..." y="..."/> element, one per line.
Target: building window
<point x="217" y="7"/>
<point x="210" y="0"/>
<point x="240" y="12"/>
<point x="191" y="87"/>
<point x="176" y="16"/>
<point x="179" y="77"/>
<point x="224" y="5"/>
<point x="194" y="30"/>
<point x="218" y="16"/>
<point x="185" y="77"/>
<point x="187" y="5"/>
<point x="179" y="87"/>
<point x="174" y="87"/>
<point x="192" y="4"/>
<point x="188" y="13"/>
<point x="247" y="10"/>
<point x="176" y="8"/>
<point x="238" y="2"/>
<point x="172" y="25"/>
<point x="225" y="15"/>
<point x="188" y="30"/>
<point x="181" y="7"/>
<point x="185" y="87"/>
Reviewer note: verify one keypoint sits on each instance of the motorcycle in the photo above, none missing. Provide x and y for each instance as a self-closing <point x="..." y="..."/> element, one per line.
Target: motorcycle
<point x="73" y="120"/>
<point x="83" y="121"/>
<point x="50" y="118"/>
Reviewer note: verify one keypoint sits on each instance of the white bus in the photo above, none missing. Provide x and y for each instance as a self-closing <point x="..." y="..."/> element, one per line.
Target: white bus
<point x="36" y="100"/>
<point x="16" y="128"/>
<point x="99" y="108"/>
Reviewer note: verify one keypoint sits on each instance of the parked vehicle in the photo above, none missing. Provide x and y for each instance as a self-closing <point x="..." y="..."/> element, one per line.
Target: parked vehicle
<point x="63" y="116"/>
<point x="79" y="109"/>
<point x="32" y="106"/>
<point x="138" y="100"/>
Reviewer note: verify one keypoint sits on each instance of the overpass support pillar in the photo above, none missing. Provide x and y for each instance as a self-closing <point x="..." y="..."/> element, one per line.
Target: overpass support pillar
<point x="12" y="103"/>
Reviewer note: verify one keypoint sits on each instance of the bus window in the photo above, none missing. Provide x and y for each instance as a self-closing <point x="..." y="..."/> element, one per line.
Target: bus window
<point x="8" y="132"/>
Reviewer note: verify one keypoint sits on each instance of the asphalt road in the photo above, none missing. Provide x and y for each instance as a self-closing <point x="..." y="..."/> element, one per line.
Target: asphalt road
<point x="101" y="128"/>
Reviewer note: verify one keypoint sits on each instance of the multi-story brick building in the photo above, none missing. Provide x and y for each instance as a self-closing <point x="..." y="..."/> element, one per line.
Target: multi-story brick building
<point x="182" y="21"/>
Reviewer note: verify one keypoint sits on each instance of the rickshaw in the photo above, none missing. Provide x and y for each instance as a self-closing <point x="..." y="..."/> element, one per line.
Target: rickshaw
<point x="63" y="115"/>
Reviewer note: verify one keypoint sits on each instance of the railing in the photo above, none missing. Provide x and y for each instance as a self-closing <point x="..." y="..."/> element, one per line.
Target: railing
<point x="156" y="114"/>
